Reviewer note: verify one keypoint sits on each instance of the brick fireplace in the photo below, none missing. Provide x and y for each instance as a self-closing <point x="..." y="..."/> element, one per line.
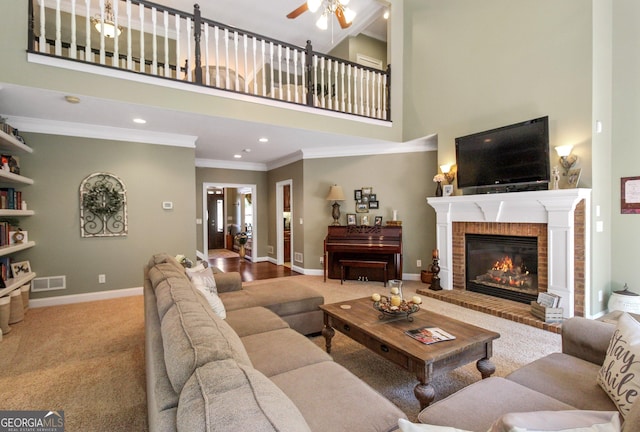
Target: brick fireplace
<point x="559" y="219"/>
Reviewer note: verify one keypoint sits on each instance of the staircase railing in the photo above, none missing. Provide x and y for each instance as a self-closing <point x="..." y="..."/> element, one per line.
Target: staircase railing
<point x="154" y="40"/>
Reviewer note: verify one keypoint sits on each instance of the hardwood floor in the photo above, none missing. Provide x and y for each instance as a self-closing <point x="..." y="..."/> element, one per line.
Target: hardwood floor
<point x="250" y="271"/>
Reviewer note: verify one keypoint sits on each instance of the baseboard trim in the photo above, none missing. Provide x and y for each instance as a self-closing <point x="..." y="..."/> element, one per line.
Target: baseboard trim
<point x="87" y="297"/>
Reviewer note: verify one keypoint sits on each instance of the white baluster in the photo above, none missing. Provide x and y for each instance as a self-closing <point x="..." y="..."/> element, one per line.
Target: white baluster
<point x="177" y="47"/>
<point x="216" y="38"/>
<point x="189" y="65"/>
<point x="295" y="76"/>
<point x="154" y="42"/>
<point x="384" y="96"/>
<point x="255" y="49"/>
<point x="102" y="48"/>
<point x="329" y="100"/>
<point x="273" y="93"/>
<point x="343" y="108"/>
<point x="355" y="90"/>
<point x="361" y="82"/>
<point x="116" y="52"/>
<point x="334" y="91"/>
<point x="142" y="60"/>
<point x="167" y="69"/>
<point x="246" y="78"/>
<point x="87" y="42"/>
<point x="42" y="40"/>
<point x="322" y="96"/>
<point x="73" y="51"/>
<point x="303" y="64"/>
<point x="280" y="72"/>
<point x="58" y="43"/>
<point x="129" y="46"/>
<point x="263" y="69"/>
<point x="207" y="73"/>
<point x="288" y="58"/>
<point x="236" y="41"/>
<point x="367" y="91"/>
<point x="316" y="96"/>
<point x="226" y="51"/>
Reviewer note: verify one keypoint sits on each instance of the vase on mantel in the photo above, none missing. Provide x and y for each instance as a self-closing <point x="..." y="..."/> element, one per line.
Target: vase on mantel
<point x="438" y="189"/>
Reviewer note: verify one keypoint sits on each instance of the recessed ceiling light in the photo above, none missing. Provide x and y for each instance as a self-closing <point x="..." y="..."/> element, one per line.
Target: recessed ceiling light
<point x="72" y="99"/>
<point x="263" y="140"/>
<point x="237" y="156"/>
<point x="139" y="121"/>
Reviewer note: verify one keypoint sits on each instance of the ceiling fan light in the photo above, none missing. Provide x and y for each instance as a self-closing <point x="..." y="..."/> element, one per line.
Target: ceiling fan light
<point x="343" y="2"/>
<point x="349" y="15"/>
<point x="323" y="22"/>
<point x="314" y="5"/>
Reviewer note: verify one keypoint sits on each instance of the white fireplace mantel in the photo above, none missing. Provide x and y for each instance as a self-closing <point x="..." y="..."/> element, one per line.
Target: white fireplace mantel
<point x="552" y="207"/>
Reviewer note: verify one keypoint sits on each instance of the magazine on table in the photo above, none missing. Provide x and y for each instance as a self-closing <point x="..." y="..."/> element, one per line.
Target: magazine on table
<point x="430" y="335"/>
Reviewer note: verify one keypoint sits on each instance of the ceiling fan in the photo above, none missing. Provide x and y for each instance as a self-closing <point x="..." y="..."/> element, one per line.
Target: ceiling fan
<point x="344" y="15"/>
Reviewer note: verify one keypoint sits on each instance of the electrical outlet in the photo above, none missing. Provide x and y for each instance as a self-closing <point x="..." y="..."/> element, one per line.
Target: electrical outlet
<point x="321" y="260"/>
<point x="102" y="278"/>
<point x="600" y="296"/>
<point x="419" y="263"/>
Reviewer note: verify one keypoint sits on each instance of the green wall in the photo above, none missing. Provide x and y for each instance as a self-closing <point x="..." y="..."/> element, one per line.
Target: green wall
<point x="152" y="174"/>
<point x="625" y="248"/>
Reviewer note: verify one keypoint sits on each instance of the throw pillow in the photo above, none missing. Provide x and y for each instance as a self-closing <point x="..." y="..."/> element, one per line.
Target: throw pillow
<point x="558" y="421"/>
<point x="203" y="280"/>
<point x="619" y="375"/>
<point x="202" y="275"/>
<point x="407" y="426"/>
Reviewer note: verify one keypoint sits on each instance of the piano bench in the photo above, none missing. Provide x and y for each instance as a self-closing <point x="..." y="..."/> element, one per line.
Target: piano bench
<point x="363" y="264"/>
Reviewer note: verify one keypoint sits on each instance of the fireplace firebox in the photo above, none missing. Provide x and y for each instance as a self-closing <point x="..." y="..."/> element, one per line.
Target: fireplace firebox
<point x="502" y="266"/>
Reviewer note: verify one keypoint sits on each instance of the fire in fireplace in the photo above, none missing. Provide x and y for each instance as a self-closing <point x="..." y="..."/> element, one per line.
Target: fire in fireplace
<point x="502" y="266"/>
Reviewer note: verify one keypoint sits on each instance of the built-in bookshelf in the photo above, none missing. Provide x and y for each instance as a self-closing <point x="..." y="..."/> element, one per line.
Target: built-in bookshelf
<point x="10" y="145"/>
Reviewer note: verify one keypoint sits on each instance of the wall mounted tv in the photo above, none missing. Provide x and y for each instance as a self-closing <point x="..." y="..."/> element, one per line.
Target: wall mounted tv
<point x="506" y="159"/>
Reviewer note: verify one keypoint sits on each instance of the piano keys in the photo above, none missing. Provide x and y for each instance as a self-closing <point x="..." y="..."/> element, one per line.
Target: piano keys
<point x="361" y="242"/>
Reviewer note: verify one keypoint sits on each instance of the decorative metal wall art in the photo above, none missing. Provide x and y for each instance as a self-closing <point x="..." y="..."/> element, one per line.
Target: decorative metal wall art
<point x="103" y="206"/>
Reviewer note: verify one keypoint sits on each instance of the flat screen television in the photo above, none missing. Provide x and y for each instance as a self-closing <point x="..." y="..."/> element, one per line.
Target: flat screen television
<point x="506" y="159"/>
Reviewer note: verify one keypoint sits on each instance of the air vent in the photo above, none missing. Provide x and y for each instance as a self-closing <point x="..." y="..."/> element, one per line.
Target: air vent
<point x="297" y="257"/>
<point x="50" y="283"/>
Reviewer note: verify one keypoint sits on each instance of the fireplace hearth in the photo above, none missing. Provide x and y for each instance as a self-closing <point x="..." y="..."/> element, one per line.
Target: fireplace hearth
<point x="502" y="266"/>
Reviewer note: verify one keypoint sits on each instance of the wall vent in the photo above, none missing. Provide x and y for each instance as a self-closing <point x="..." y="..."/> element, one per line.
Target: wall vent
<point x="297" y="257"/>
<point x="50" y="283"/>
<point x="270" y="249"/>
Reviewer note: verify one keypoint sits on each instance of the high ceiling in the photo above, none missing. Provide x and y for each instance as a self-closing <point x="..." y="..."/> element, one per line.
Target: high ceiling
<point x="239" y="137"/>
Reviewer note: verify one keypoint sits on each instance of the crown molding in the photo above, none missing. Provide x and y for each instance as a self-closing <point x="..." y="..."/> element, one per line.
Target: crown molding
<point x="222" y="164"/>
<point x="85" y="130"/>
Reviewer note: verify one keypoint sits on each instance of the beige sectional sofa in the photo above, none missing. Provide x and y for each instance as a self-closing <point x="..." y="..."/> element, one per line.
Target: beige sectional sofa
<point x="557" y="382"/>
<point x="250" y="371"/>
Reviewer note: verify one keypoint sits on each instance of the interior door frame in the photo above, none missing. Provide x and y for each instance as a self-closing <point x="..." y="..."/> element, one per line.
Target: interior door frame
<point x="279" y="217"/>
<point x="205" y="218"/>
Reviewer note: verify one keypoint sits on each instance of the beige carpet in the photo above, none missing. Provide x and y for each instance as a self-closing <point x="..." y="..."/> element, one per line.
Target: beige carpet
<point x="88" y="359"/>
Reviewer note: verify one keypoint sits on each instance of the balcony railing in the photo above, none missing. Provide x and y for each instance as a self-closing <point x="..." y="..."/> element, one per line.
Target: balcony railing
<point x="155" y="40"/>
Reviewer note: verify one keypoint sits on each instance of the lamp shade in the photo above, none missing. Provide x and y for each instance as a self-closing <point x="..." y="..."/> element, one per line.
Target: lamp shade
<point x="335" y="193"/>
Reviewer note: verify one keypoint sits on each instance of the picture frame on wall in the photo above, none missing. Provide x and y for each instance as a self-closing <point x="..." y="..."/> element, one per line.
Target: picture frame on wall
<point x="351" y="219"/>
<point x="362" y="207"/>
<point x="357" y="194"/>
<point x="367" y="190"/>
<point x="364" y="220"/>
<point x="630" y="195"/>
<point x="373" y="205"/>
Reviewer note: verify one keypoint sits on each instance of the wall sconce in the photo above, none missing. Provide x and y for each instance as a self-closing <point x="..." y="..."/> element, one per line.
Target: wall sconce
<point x="449" y="175"/>
<point x="335" y="195"/>
<point x="567" y="160"/>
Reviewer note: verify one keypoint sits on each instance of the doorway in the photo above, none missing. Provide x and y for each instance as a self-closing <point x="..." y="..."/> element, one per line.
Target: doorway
<point x="229" y="208"/>
<point x="284" y="227"/>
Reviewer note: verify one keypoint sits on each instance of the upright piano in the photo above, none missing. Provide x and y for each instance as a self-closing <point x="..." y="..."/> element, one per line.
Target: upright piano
<point x="361" y="242"/>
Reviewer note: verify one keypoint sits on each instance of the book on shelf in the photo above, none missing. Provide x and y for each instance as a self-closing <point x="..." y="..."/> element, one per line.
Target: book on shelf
<point x="430" y="335"/>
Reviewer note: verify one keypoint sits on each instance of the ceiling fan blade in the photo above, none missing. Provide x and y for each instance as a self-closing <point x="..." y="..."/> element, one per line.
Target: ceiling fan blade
<point x="298" y="11"/>
<point x="341" y="19"/>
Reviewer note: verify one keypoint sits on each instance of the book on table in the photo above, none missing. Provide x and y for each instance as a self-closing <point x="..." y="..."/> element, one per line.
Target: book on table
<point x="430" y="335"/>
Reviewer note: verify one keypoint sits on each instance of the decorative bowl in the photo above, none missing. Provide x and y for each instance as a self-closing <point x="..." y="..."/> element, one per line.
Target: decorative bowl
<point x="387" y="310"/>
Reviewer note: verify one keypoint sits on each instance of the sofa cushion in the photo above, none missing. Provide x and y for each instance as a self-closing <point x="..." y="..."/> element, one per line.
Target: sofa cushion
<point x="162" y="271"/>
<point x="560" y="421"/>
<point x="566" y="378"/>
<point x="285" y="297"/>
<point x="193" y="336"/>
<point x="172" y="290"/>
<point x="295" y="351"/>
<point x="254" y="320"/>
<point x="161" y="258"/>
<point x="485" y="401"/>
<point x="228" y="396"/>
<point x="331" y="398"/>
<point x="620" y="372"/>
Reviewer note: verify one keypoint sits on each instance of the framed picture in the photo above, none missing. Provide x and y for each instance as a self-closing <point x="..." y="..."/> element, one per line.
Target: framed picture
<point x="362" y="207"/>
<point x="364" y="220"/>
<point x="573" y="176"/>
<point x="20" y="268"/>
<point x="447" y="190"/>
<point x="373" y="204"/>
<point x="378" y="221"/>
<point x="630" y="195"/>
<point x="351" y="219"/>
<point x="373" y="197"/>
<point x="367" y="190"/>
<point x="357" y="194"/>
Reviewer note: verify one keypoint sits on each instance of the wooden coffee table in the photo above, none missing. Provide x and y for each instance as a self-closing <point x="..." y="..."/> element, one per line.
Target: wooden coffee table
<point x="358" y="320"/>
